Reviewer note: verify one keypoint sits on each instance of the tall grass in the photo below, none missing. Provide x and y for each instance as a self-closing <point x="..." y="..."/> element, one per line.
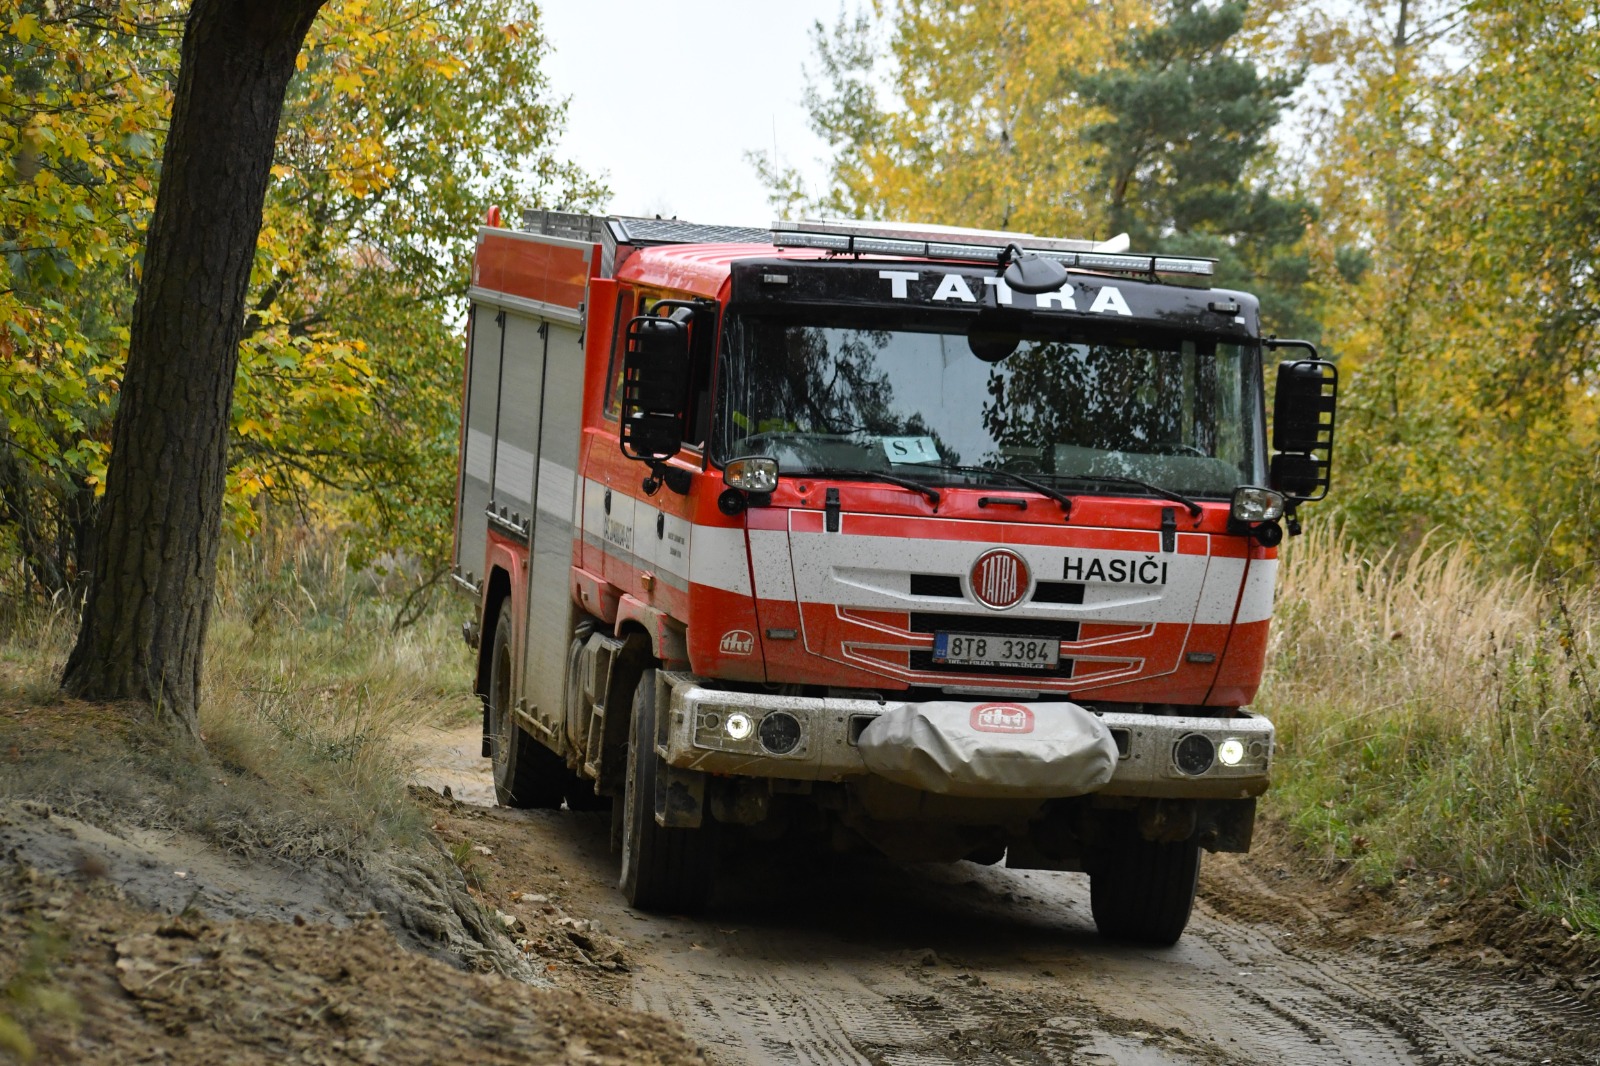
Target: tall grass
<point x="310" y="697"/>
<point x="1437" y="718"/>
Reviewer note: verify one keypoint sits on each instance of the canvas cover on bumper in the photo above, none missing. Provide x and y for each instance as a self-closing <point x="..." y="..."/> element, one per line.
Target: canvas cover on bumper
<point x="1002" y="750"/>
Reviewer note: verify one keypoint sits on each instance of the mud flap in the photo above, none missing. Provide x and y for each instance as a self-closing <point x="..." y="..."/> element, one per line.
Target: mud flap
<point x="680" y="797"/>
<point x="680" y="794"/>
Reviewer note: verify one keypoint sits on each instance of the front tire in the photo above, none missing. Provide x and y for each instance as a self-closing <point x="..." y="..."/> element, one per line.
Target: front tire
<point x="663" y="870"/>
<point x="526" y="773"/>
<point x="1144" y="891"/>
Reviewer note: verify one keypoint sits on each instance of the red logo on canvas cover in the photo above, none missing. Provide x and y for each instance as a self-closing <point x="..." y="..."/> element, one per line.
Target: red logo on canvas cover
<point x="1002" y="718"/>
<point x="999" y="578"/>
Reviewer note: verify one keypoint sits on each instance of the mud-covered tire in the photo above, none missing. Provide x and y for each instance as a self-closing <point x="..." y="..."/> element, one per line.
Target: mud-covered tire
<point x="526" y="773"/>
<point x="663" y="870"/>
<point x="1144" y="891"/>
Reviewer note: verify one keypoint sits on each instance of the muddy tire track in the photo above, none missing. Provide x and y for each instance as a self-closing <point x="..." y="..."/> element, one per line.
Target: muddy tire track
<point x="817" y="960"/>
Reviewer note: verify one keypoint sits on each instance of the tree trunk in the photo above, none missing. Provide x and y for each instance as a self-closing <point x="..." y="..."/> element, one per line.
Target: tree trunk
<point x="154" y="564"/>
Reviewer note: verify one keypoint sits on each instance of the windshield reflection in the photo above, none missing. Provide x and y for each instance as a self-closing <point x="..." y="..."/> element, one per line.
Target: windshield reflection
<point x="1180" y="412"/>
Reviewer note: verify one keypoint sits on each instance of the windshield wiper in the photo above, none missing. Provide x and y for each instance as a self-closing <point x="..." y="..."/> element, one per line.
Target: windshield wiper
<point x="1117" y="479"/>
<point x="878" y="475"/>
<point x="1027" y="482"/>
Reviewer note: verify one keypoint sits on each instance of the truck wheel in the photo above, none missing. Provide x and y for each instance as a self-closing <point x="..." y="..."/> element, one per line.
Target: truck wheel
<point x="1145" y="891"/>
<point x="526" y="773"/>
<point x="662" y="869"/>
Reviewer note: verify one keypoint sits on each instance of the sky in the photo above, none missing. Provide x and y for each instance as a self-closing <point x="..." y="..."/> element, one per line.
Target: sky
<point x="665" y="99"/>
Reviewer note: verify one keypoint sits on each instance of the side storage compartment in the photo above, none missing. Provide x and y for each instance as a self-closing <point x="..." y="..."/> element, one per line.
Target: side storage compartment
<point x="481" y="409"/>
<point x="517" y="493"/>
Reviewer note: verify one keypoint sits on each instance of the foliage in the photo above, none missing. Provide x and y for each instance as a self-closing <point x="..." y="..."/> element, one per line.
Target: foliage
<point x="408" y="118"/>
<point x="311" y="706"/>
<point x="1180" y="151"/>
<point x="1055" y="116"/>
<point x="1439" y="723"/>
<point x="939" y="111"/>
<point x="84" y="93"/>
<point x="1469" y="342"/>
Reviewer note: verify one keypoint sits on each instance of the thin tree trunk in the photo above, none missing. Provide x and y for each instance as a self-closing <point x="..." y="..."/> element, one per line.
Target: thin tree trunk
<point x="154" y="566"/>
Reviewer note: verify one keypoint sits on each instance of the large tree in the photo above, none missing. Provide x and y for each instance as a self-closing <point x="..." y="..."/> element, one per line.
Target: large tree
<point x="149" y="595"/>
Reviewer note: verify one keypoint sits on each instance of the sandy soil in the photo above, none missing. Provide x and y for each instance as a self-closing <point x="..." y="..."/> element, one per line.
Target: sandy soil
<point x="143" y="946"/>
<point x="812" y="960"/>
<point x="127" y="938"/>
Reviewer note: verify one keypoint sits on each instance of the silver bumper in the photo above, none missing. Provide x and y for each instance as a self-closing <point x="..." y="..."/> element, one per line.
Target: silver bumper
<point x="699" y="738"/>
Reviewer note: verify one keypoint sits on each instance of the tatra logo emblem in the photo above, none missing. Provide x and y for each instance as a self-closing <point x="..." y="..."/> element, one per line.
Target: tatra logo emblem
<point x="738" y="642"/>
<point x="1002" y="718"/>
<point x="1000" y="579"/>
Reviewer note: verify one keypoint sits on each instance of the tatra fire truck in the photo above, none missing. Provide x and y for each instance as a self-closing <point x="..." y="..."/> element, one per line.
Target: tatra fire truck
<point x="953" y="544"/>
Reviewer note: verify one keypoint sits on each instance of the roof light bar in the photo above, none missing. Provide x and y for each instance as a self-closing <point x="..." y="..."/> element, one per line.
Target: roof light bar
<point x="980" y="246"/>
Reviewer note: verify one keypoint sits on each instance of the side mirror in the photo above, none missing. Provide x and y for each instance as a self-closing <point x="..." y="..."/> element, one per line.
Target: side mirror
<point x="1302" y="425"/>
<point x="655" y="387"/>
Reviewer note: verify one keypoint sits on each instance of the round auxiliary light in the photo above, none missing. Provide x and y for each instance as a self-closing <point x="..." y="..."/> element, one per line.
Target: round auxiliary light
<point x="780" y="732"/>
<point x="1231" y="752"/>
<point x="738" y="725"/>
<point x="1194" y="754"/>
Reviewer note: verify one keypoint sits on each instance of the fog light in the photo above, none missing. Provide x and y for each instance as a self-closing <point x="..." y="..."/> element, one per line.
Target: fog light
<point x="1230" y="752"/>
<point x="738" y="725"/>
<point x="780" y="732"/>
<point x="1194" y="754"/>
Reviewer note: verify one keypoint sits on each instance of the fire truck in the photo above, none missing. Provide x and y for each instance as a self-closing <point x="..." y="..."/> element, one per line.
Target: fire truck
<point x="950" y="544"/>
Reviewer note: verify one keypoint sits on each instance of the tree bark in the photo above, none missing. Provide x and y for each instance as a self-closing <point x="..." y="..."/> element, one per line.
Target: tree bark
<point x="154" y="565"/>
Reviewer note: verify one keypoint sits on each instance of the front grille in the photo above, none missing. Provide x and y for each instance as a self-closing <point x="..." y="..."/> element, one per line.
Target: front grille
<point x="944" y="585"/>
<point x="992" y="625"/>
<point x="1058" y="592"/>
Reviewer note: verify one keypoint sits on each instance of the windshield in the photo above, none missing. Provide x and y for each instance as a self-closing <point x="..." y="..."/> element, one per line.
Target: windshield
<point x="1179" y="412"/>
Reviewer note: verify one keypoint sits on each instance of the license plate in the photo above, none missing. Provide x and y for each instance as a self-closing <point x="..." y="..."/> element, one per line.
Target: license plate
<point x="981" y="649"/>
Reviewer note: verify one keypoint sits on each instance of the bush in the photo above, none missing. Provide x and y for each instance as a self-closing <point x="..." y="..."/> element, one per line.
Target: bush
<point x="1438" y="719"/>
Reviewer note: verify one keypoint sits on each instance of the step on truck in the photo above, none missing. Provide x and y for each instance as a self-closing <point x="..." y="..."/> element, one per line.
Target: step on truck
<point x="949" y="544"/>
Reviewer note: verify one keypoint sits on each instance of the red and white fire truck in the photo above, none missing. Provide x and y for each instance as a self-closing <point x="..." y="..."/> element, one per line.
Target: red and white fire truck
<point x="949" y="543"/>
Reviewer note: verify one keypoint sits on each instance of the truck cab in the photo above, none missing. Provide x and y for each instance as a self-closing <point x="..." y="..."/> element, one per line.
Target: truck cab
<point x="949" y="544"/>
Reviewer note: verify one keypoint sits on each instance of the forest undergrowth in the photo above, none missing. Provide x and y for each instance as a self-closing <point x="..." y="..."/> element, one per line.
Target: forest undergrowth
<point x="1437" y="723"/>
<point x="310" y="695"/>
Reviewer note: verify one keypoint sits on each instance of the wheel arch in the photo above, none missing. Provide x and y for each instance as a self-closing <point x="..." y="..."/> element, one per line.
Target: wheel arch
<point x="497" y="590"/>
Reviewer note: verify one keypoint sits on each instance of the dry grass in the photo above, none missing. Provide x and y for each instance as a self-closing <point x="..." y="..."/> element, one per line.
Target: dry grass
<point x="308" y="700"/>
<point x="1439" y="720"/>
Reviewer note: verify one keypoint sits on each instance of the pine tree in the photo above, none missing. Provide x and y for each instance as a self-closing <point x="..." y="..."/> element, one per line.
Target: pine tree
<point x="1183" y="153"/>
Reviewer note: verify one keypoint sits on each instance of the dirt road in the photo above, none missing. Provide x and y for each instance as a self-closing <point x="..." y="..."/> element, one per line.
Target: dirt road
<point x="843" y="961"/>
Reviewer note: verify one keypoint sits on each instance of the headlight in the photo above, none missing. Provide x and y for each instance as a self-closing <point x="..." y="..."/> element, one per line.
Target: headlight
<point x="1252" y="504"/>
<point x="756" y="474"/>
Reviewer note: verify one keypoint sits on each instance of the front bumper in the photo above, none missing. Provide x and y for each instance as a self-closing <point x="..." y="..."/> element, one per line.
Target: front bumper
<point x="698" y="737"/>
